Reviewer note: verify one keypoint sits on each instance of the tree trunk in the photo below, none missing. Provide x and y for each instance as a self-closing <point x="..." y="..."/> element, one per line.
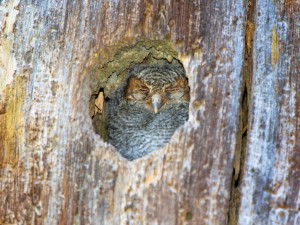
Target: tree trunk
<point x="236" y="160"/>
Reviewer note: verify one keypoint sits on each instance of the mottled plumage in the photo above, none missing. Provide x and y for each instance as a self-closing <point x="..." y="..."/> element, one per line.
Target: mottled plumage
<point x="144" y="112"/>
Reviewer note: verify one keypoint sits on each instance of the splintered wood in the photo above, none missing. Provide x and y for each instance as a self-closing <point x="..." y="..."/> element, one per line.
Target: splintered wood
<point x="99" y="103"/>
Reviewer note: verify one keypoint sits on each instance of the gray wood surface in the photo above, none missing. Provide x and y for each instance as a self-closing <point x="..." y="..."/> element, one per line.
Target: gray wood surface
<point x="236" y="161"/>
<point x="271" y="184"/>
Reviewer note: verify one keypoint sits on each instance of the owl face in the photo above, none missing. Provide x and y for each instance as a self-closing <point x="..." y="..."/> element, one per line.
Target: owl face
<point x="144" y="112"/>
<point x="156" y="96"/>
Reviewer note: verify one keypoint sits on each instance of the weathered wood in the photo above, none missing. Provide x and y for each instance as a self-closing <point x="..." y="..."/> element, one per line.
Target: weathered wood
<point x="271" y="183"/>
<point x="56" y="170"/>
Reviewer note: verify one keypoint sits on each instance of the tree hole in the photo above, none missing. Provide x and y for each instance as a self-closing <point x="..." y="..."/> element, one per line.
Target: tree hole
<point x="140" y="97"/>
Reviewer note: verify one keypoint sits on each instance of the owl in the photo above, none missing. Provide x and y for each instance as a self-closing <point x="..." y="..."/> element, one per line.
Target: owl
<point x="143" y="114"/>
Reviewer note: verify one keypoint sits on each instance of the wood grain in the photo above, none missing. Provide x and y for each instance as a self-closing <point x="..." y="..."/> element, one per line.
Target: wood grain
<point x="270" y="188"/>
<point x="56" y="170"/>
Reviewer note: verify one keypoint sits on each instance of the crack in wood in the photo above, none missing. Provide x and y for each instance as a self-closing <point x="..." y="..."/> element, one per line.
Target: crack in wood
<point x="242" y="135"/>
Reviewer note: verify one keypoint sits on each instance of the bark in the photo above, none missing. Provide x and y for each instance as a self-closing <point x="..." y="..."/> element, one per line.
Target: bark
<point x="270" y="188"/>
<point x="237" y="159"/>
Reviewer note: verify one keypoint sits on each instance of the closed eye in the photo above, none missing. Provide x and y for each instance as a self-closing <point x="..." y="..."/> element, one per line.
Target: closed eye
<point x="143" y="89"/>
<point x="172" y="89"/>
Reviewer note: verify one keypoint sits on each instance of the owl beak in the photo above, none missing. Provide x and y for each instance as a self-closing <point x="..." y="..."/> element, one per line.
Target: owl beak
<point x="156" y="102"/>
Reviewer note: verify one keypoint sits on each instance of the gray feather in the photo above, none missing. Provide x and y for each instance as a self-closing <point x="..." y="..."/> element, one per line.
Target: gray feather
<point x="134" y="130"/>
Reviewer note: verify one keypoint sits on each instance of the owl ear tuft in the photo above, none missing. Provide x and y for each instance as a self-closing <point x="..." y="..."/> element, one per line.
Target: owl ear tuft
<point x="134" y="70"/>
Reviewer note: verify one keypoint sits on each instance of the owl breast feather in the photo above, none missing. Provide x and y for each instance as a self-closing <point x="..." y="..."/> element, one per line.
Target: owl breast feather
<point x="134" y="131"/>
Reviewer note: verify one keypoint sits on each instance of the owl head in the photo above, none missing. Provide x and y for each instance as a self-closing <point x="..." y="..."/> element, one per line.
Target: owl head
<point x="157" y="86"/>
